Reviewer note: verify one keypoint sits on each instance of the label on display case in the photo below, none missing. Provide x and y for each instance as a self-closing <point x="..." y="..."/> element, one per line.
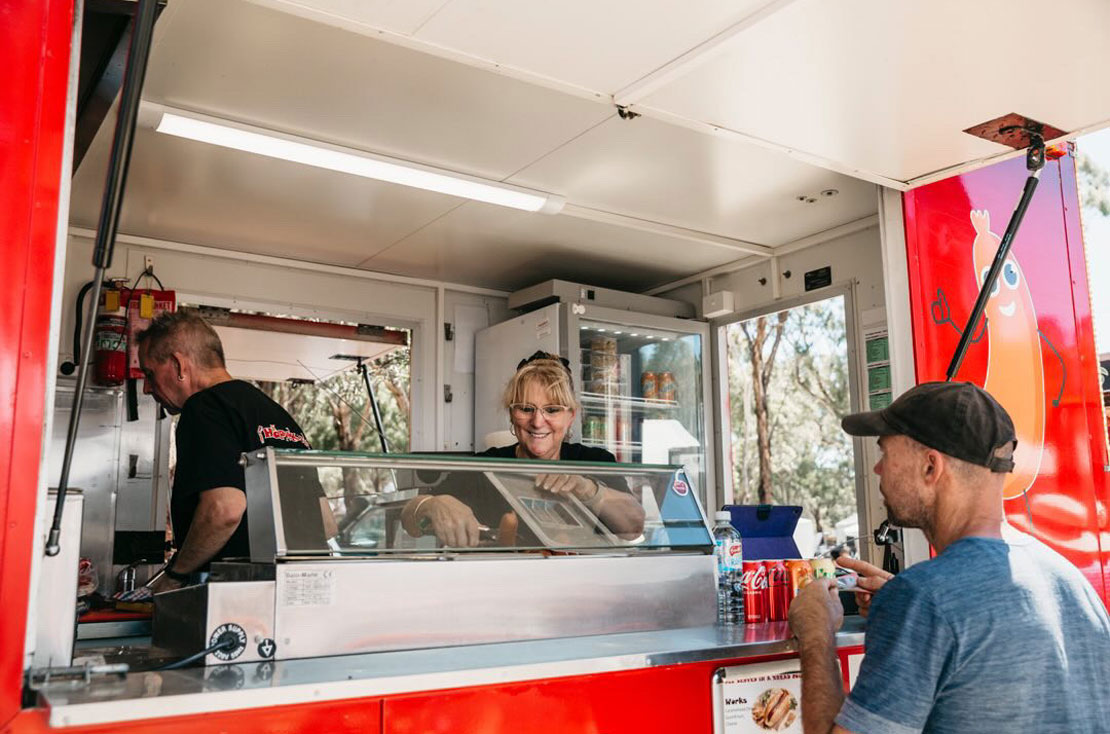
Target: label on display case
<point x="750" y="699"/>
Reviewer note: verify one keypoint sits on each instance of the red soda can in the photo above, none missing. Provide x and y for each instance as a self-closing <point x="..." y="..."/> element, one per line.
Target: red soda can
<point x="778" y="590"/>
<point x="754" y="583"/>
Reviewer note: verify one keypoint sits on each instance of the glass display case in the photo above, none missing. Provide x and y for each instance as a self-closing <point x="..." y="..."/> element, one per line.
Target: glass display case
<point x="346" y="557"/>
<point x="312" y="503"/>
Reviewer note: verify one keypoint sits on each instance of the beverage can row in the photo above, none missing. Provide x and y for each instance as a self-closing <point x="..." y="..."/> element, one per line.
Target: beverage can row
<point x="658" y="386"/>
<point x="770" y="586"/>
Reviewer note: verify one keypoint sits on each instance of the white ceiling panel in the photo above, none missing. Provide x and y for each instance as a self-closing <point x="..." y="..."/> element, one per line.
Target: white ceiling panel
<point x="185" y="191"/>
<point x="261" y="66"/>
<point x="652" y="170"/>
<point x="399" y="16"/>
<point x="602" y="46"/>
<point x="501" y="248"/>
<point x="887" y="87"/>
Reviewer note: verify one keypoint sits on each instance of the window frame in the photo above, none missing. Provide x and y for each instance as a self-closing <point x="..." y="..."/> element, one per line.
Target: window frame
<point x="722" y="425"/>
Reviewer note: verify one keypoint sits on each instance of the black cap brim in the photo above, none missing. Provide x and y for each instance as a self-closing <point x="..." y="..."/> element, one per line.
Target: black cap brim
<point x="868" y="424"/>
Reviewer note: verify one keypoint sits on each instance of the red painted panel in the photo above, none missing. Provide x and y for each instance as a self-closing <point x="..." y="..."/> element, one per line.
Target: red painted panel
<point x="35" y="51"/>
<point x="1084" y="326"/>
<point x="359" y="716"/>
<point x="665" y="699"/>
<point x="1036" y="352"/>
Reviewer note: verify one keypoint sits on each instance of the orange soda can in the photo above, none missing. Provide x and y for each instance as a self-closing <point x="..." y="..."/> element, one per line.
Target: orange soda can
<point x="798" y="574"/>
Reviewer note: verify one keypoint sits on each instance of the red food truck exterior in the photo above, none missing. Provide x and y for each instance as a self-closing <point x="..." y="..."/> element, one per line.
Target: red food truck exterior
<point x="1045" y="360"/>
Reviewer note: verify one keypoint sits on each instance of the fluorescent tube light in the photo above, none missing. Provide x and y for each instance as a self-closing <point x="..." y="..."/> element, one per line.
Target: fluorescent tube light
<point x="250" y="139"/>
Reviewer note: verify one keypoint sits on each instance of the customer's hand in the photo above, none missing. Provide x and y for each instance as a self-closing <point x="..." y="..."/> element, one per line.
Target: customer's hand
<point x="452" y="522"/>
<point x="816" y="611"/>
<point x="871" y="579"/>
<point x="562" y="484"/>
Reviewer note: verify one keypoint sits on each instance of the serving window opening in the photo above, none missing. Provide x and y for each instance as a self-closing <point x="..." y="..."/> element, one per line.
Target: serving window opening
<point x="789" y="385"/>
<point x="311" y="369"/>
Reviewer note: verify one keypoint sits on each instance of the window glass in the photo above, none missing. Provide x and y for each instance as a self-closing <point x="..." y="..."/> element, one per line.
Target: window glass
<point x="788" y="389"/>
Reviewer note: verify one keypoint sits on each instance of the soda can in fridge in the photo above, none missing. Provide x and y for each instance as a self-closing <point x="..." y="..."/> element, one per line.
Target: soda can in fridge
<point x="798" y="574"/>
<point x="649" y="386"/>
<point x="778" y="590"/>
<point x="666" y="386"/>
<point x="754" y="585"/>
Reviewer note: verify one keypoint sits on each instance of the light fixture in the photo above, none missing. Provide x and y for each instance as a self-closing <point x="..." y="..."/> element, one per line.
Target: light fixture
<point x="260" y="141"/>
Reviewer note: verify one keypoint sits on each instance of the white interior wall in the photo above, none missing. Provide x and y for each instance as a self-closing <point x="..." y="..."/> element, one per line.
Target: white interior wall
<point x="250" y="282"/>
<point x="462" y="310"/>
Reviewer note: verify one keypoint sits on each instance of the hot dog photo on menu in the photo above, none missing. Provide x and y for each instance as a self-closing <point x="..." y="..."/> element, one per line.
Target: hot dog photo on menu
<point x="775" y="709"/>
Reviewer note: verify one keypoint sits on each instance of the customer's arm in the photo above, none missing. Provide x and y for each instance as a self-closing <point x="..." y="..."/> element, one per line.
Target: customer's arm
<point x="815" y="616"/>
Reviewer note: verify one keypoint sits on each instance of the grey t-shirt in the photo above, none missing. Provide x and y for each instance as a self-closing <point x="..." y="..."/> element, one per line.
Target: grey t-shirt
<point x="990" y="636"/>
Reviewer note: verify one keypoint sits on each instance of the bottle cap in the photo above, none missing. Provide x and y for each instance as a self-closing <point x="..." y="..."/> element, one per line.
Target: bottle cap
<point x="723" y="515"/>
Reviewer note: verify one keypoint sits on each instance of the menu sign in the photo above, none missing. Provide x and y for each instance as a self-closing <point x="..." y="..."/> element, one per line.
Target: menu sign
<point x="759" y="698"/>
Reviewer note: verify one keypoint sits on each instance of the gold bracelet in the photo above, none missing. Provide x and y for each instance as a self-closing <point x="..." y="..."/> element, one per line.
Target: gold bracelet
<point x="416" y="508"/>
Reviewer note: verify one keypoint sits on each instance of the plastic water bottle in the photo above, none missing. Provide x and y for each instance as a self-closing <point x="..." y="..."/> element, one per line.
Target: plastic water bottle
<point x="730" y="564"/>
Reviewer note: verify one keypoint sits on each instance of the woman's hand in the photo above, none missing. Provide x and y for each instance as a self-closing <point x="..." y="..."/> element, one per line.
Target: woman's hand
<point x="584" y="489"/>
<point x="871" y="579"/>
<point x="452" y="522"/>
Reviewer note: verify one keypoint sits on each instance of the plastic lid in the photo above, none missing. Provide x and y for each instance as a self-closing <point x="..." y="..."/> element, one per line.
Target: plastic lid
<point x="723" y="515"/>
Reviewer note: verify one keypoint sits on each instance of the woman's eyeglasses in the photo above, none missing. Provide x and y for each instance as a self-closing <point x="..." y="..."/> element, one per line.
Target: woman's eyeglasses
<point x="527" y="410"/>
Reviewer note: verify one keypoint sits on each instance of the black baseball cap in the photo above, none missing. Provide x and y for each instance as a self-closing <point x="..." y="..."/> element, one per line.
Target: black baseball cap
<point x="956" y="418"/>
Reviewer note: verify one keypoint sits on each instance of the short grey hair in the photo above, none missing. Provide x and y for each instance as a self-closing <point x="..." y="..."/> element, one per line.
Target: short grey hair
<point x="183" y="332"/>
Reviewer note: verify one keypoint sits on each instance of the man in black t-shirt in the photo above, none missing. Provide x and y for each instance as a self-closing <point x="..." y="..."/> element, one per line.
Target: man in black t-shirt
<point x="183" y="361"/>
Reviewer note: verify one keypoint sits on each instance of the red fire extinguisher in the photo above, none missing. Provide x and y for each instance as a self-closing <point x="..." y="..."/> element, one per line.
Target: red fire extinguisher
<point x="110" y="338"/>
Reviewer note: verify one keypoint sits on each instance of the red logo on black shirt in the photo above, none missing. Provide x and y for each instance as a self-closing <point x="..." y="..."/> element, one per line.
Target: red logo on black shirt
<point x="281" y="434"/>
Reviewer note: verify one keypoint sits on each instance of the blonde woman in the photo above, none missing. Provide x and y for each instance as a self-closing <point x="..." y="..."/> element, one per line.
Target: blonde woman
<point x="541" y="404"/>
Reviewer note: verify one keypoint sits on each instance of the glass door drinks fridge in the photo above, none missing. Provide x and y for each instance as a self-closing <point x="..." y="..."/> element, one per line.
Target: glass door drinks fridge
<point x="642" y="381"/>
<point x="643" y="389"/>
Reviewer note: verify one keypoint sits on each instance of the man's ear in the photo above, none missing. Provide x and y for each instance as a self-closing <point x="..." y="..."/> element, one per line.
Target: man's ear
<point x="180" y="360"/>
<point x="933" y="463"/>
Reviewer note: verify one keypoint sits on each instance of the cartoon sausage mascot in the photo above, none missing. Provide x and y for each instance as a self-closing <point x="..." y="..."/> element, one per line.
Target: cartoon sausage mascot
<point x="1015" y="371"/>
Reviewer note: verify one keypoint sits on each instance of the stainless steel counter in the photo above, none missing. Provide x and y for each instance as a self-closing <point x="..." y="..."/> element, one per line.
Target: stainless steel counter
<point x="251" y="685"/>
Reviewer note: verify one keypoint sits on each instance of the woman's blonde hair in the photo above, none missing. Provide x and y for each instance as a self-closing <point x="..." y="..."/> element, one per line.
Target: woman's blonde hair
<point x="547" y="371"/>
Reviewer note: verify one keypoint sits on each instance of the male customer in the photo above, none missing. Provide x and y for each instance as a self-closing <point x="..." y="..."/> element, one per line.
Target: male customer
<point x="183" y="361"/>
<point x="998" y="633"/>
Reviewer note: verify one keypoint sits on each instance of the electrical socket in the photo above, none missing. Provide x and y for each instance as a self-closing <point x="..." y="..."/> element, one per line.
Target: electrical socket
<point x="148" y="263"/>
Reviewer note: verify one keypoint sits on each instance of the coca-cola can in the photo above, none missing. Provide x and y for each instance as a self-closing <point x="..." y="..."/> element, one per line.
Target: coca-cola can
<point x="799" y="573"/>
<point x="778" y="590"/>
<point x="754" y="583"/>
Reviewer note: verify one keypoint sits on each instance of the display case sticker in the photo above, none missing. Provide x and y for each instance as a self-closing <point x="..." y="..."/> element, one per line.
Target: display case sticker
<point x="750" y="699"/>
<point x="308" y="588"/>
<point x="543" y="328"/>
